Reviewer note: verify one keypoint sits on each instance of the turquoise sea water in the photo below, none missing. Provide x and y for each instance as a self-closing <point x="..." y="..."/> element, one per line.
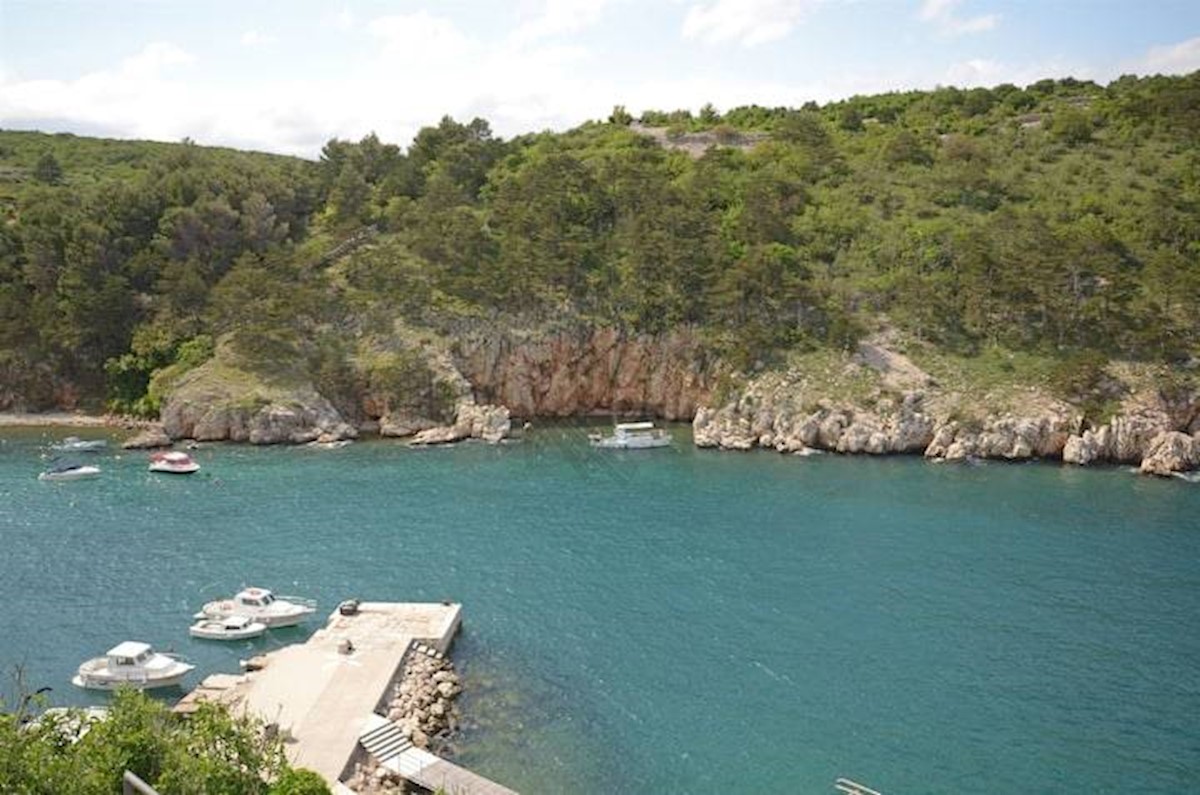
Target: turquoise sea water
<point x="676" y="620"/>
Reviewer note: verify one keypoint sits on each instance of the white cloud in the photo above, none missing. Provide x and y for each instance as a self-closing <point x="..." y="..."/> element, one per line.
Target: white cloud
<point x="749" y="22"/>
<point x="411" y="69"/>
<point x="1170" y="59"/>
<point x="933" y="9"/>
<point x="420" y="37"/>
<point x="137" y="97"/>
<point x="153" y="58"/>
<point x="344" y="19"/>
<point x="252" y="38"/>
<point x="943" y="14"/>
<point x="558" y="17"/>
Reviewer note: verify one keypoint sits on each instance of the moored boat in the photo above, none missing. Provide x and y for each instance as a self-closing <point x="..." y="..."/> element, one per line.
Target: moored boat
<point x="227" y="628"/>
<point x="174" y="462"/>
<point x="261" y="605"/>
<point x="632" y="436"/>
<point x="73" y="444"/>
<point x="70" y="471"/>
<point x="134" y="664"/>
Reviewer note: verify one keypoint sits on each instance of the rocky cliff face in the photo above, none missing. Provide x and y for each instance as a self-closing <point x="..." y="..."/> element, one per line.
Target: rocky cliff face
<point x="772" y="413"/>
<point x="201" y="410"/>
<point x="786" y="412"/>
<point x="492" y="376"/>
<point x="589" y="371"/>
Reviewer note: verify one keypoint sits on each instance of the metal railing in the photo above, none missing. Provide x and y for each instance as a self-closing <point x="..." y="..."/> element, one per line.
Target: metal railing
<point x="132" y="785"/>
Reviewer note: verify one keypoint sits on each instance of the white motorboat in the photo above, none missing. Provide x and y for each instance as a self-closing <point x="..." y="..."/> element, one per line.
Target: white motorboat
<point x="227" y="628"/>
<point x="174" y="462"/>
<point x="70" y="471"/>
<point x="134" y="664"/>
<point x="632" y="436"/>
<point x="259" y="604"/>
<point x="73" y="444"/>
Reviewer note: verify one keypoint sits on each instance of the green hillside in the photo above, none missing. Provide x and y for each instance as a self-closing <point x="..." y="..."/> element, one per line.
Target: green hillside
<point x="1056" y="224"/>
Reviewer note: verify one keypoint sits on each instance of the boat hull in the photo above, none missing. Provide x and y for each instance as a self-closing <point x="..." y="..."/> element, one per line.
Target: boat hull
<point x="611" y="443"/>
<point x="96" y="675"/>
<point x="89" y="446"/>
<point x="170" y="469"/>
<point x="274" y="621"/>
<point x="254" y="630"/>
<point x="82" y="473"/>
<point x="106" y="683"/>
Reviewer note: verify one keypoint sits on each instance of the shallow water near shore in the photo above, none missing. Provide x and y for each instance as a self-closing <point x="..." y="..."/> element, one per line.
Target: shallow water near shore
<point x="676" y="620"/>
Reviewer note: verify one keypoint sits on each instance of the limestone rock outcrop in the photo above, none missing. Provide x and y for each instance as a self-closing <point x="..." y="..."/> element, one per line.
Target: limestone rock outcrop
<point x="769" y="415"/>
<point x="1171" y="452"/>
<point x="219" y="401"/>
<point x="404" y="423"/>
<point x="307" y="417"/>
<point x="148" y="438"/>
<point x="472" y="421"/>
<point x="1125" y="439"/>
<point x="1007" y="437"/>
<point x="570" y="373"/>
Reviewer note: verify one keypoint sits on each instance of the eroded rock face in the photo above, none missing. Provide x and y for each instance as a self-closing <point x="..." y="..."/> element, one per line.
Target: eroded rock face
<point x="489" y="423"/>
<point x="1125" y="439"/>
<point x="785" y="411"/>
<point x="768" y="417"/>
<point x="148" y="438"/>
<point x="599" y="370"/>
<point x="403" y="423"/>
<point x="207" y="405"/>
<point x="1171" y="452"/>
<point x="1006" y="437"/>
<point x="273" y="423"/>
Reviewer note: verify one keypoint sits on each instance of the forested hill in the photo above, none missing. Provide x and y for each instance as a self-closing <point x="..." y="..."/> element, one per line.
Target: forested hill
<point x="1061" y="219"/>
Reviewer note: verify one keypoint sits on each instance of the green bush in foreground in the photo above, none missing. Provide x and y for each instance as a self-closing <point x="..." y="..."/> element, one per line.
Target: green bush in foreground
<point x="210" y="753"/>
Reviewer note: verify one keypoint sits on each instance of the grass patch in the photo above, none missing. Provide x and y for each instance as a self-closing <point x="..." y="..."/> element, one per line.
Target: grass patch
<point x="835" y="376"/>
<point x="995" y="378"/>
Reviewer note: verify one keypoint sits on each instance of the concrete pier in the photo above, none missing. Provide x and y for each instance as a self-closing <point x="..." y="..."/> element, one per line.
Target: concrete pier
<point x="323" y="698"/>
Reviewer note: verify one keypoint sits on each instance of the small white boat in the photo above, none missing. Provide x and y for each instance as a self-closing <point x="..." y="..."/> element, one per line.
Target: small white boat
<point x="134" y="664"/>
<point x="73" y="444"/>
<point x="632" y="436"/>
<point x="228" y="628"/>
<point x="259" y="604"/>
<point x="334" y="445"/>
<point x="174" y="462"/>
<point x="70" y="471"/>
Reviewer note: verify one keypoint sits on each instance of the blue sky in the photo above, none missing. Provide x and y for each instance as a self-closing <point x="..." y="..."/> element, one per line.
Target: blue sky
<point x="288" y="75"/>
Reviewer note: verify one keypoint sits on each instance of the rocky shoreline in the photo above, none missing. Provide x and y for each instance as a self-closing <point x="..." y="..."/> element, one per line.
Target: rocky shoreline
<point x="1157" y="439"/>
<point x="1141" y="439"/>
<point x="422" y="706"/>
<point x="489" y="379"/>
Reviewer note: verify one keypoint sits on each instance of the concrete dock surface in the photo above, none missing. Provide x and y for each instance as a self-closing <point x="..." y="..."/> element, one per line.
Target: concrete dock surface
<point x="322" y="698"/>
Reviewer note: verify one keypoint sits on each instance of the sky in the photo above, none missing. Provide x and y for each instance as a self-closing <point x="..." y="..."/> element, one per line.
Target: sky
<point x="288" y="75"/>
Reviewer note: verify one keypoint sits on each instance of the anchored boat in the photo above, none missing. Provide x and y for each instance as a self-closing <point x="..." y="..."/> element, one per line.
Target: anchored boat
<point x="134" y="664"/>
<point x="73" y="444"/>
<point x="228" y="628"/>
<point x="260" y="605"/>
<point x="174" y="462"/>
<point x="632" y="436"/>
<point x="70" y="471"/>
